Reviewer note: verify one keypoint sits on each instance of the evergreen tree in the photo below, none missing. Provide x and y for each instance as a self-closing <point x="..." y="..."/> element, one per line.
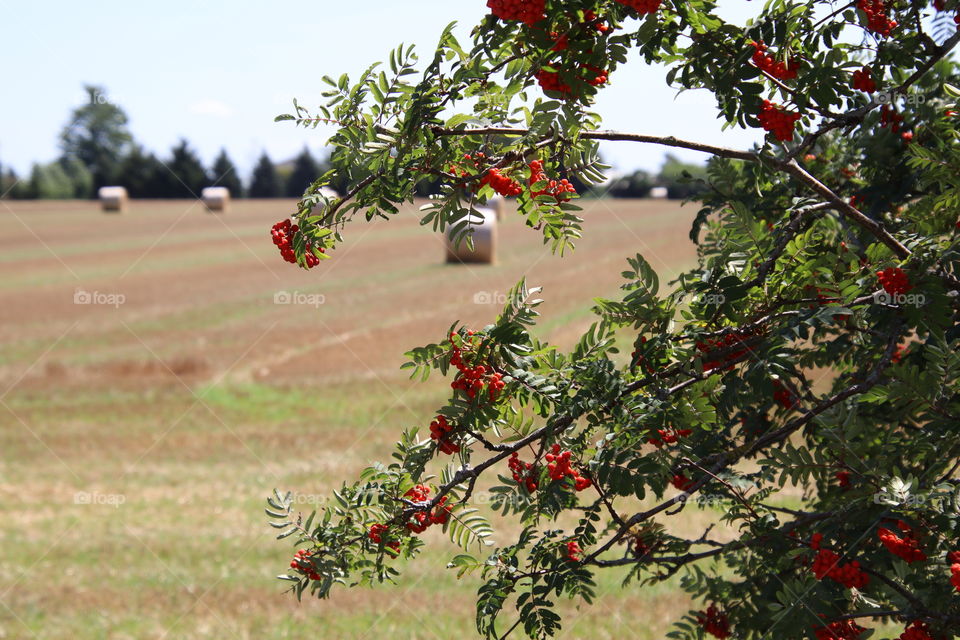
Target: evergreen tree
<point x="186" y="176"/>
<point x="144" y="175"/>
<point x="224" y="174"/>
<point x="305" y="171"/>
<point x="264" y="182"/>
<point x="97" y="136"/>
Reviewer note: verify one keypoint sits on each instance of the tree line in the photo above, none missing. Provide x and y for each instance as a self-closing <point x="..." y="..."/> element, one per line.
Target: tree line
<point x="97" y="149"/>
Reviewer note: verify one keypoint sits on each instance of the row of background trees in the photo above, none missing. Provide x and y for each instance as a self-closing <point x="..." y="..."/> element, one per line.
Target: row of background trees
<point x="98" y="149"/>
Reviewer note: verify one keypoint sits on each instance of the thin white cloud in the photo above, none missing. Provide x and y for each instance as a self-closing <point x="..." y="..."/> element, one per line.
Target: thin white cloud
<point x="211" y="107"/>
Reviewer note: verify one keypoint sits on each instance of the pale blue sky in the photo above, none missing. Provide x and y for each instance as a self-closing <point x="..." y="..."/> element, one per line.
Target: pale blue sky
<point x="218" y="72"/>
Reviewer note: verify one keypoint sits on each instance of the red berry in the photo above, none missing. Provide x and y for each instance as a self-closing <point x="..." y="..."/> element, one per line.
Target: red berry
<point x="843" y="478"/>
<point x="681" y="482"/>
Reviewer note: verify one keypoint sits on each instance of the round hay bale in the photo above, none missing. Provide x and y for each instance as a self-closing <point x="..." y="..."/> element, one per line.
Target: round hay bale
<point x="327" y="192"/>
<point x="113" y="199"/>
<point x="658" y="192"/>
<point x="498" y="204"/>
<point x="484" y="240"/>
<point x="216" y="198"/>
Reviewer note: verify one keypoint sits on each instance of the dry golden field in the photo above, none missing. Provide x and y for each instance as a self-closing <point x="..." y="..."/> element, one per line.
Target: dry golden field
<point x="155" y="386"/>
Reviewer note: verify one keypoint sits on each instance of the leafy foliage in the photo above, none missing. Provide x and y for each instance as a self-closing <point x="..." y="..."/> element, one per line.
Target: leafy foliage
<point x="782" y="385"/>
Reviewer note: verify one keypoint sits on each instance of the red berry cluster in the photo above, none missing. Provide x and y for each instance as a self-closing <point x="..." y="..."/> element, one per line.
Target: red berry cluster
<point x="573" y="551"/>
<point x="714" y="622"/>
<point x="553" y="188"/>
<point x="841" y="630"/>
<point x="440" y="431"/>
<point x="783" y="396"/>
<point x="472" y="380"/>
<point x="642" y="6"/>
<point x="918" y="630"/>
<point x="863" y="80"/>
<point x="668" y="436"/>
<point x="955" y="573"/>
<point x="527" y="11"/>
<point x="825" y="565"/>
<point x="890" y="118"/>
<point x="523" y="472"/>
<point x="301" y="562"/>
<point x="731" y="345"/>
<point x="376" y="534"/>
<point x="681" y="482"/>
<point x="778" y="121"/>
<point x="423" y="519"/>
<point x="894" y="280"/>
<point x="907" y="547"/>
<point x="558" y="464"/>
<point x="585" y="34"/>
<point x="551" y="81"/>
<point x="283" y="233"/>
<point x="877" y="19"/>
<point x="504" y="185"/>
<point x="767" y="63"/>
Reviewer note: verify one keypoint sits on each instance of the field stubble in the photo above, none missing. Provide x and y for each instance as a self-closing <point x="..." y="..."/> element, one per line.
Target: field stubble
<point x="140" y="437"/>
